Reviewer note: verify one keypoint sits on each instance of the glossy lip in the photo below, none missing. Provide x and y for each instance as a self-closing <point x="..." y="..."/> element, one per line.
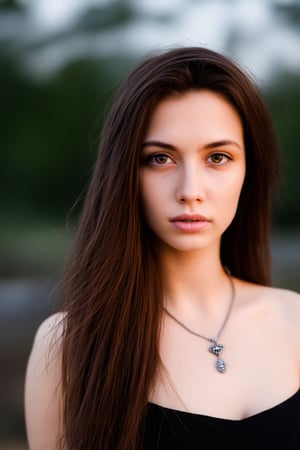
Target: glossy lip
<point x="190" y="222"/>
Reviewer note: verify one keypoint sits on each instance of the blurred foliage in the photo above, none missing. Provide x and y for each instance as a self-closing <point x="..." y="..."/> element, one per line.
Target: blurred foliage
<point x="284" y="102"/>
<point x="49" y="134"/>
<point x="290" y="11"/>
<point x="6" y="5"/>
<point x="50" y="127"/>
<point x="109" y="16"/>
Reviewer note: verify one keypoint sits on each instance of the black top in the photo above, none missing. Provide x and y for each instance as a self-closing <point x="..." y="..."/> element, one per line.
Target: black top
<point x="274" y="428"/>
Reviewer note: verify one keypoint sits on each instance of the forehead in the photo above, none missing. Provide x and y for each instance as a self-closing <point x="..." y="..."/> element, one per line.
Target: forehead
<point x="202" y="113"/>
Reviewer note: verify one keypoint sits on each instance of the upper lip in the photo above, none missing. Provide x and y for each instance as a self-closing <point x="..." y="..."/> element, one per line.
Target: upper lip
<point x="189" y="217"/>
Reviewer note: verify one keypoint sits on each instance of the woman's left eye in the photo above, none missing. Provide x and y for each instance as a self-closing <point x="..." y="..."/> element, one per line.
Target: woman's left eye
<point x="218" y="159"/>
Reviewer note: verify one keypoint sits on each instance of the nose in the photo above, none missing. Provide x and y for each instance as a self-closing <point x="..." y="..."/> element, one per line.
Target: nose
<point x="191" y="184"/>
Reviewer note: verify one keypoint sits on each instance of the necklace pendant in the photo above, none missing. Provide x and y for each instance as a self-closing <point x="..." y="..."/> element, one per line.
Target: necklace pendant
<point x="220" y="365"/>
<point x="216" y="350"/>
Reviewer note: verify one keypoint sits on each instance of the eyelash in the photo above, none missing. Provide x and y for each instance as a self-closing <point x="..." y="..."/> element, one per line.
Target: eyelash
<point x="152" y="159"/>
<point x="223" y="155"/>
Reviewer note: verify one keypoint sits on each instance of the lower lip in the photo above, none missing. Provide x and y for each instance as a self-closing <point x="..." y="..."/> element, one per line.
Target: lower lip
<point x="196" y="225"/>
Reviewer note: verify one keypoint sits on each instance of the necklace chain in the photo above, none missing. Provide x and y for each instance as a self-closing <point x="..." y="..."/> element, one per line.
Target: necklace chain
<point x="216" y="348"/>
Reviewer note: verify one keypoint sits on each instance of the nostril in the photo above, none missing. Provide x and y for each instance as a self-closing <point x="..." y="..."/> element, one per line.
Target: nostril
<point x="186" y="199"/>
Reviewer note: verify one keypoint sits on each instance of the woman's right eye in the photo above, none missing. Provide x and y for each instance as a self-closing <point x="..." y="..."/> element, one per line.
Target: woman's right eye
<point x="159" y="159"/>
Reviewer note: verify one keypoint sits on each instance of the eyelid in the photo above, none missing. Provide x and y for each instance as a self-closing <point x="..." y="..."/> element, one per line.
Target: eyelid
<point x="227" y="155"/>
<point x="220" y="152"/>
<point x="149" y="158"/>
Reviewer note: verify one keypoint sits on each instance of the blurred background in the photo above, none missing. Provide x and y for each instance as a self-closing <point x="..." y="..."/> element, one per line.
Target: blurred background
<point x="60" y="63"/>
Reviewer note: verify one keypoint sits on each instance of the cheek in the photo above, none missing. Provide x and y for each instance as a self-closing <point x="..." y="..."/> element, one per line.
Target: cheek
<point x="154" y="201"/>
<point x="227" y="189"/>
<point x="231" y="194"/>
<point x="152" y="187"/>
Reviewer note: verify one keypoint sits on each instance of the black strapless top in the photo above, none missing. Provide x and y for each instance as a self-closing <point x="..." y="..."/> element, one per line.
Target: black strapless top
<point x="275" y="428"/>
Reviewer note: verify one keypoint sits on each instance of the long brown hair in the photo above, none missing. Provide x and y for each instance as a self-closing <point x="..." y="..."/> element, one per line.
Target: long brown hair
<point x="112" y="286"/>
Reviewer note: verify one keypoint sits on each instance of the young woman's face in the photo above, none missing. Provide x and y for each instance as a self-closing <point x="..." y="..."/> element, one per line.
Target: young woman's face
<point x="192" y="170"/>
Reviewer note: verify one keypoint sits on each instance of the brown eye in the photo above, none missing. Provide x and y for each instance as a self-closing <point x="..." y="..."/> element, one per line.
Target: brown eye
<point x="160" y="159"/>
<point x="218" y="158"/>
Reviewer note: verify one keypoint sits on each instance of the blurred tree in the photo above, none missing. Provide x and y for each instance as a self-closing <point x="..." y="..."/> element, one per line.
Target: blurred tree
<point x="49" y="134"/>
<point x="50" y="127"/>
<point x="284" y="102"/>
<point x="107" y="16"/>
<point x="6" y="5"/>
<point x="289" y="10"/>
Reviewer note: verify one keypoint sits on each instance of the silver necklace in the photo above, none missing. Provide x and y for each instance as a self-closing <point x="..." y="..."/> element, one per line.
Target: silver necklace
<point x="216" y="348"/>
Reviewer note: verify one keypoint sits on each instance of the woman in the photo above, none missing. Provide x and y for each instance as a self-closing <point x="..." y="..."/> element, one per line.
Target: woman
<point x="170" y="329"/>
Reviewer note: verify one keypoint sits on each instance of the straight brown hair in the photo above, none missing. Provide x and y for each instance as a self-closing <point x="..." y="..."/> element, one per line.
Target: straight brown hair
<point x="112" y="292"/>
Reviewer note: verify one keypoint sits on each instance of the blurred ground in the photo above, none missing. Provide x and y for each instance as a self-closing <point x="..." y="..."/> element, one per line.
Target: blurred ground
<point x="14" y="445"/>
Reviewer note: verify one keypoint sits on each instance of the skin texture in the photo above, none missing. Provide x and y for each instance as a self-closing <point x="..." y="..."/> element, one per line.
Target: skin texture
<point x="194" y="163"/>
<point x="198" y="167"/>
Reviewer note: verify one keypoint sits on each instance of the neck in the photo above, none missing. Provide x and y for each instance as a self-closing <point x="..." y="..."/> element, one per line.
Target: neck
<point x="194" y="281"/>
<point x="216" y="348"/>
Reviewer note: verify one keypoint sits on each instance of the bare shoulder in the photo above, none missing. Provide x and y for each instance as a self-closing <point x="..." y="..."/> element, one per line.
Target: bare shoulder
<point x="252" y="290"/>
<point x="284" y="307"/>
<point x="274" y="301"/>
<point x="288" y="300"/>
<point x="50" y="329"/>
<point x="45" y="352"/>
<point x="42" y="385"/>
<point x="289" y="304"/>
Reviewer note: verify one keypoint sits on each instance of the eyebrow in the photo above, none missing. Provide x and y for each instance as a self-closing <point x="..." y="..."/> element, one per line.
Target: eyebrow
<point x="222" y="143"/>
<point x="158" y="144"/>
<point x="215" y="144"/>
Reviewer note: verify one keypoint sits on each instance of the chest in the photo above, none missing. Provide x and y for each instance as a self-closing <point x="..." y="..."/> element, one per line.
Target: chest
<point x="261" y="370"/>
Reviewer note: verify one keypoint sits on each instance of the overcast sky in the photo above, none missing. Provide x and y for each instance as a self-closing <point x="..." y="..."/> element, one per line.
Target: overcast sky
<point x="249" y="30"/>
